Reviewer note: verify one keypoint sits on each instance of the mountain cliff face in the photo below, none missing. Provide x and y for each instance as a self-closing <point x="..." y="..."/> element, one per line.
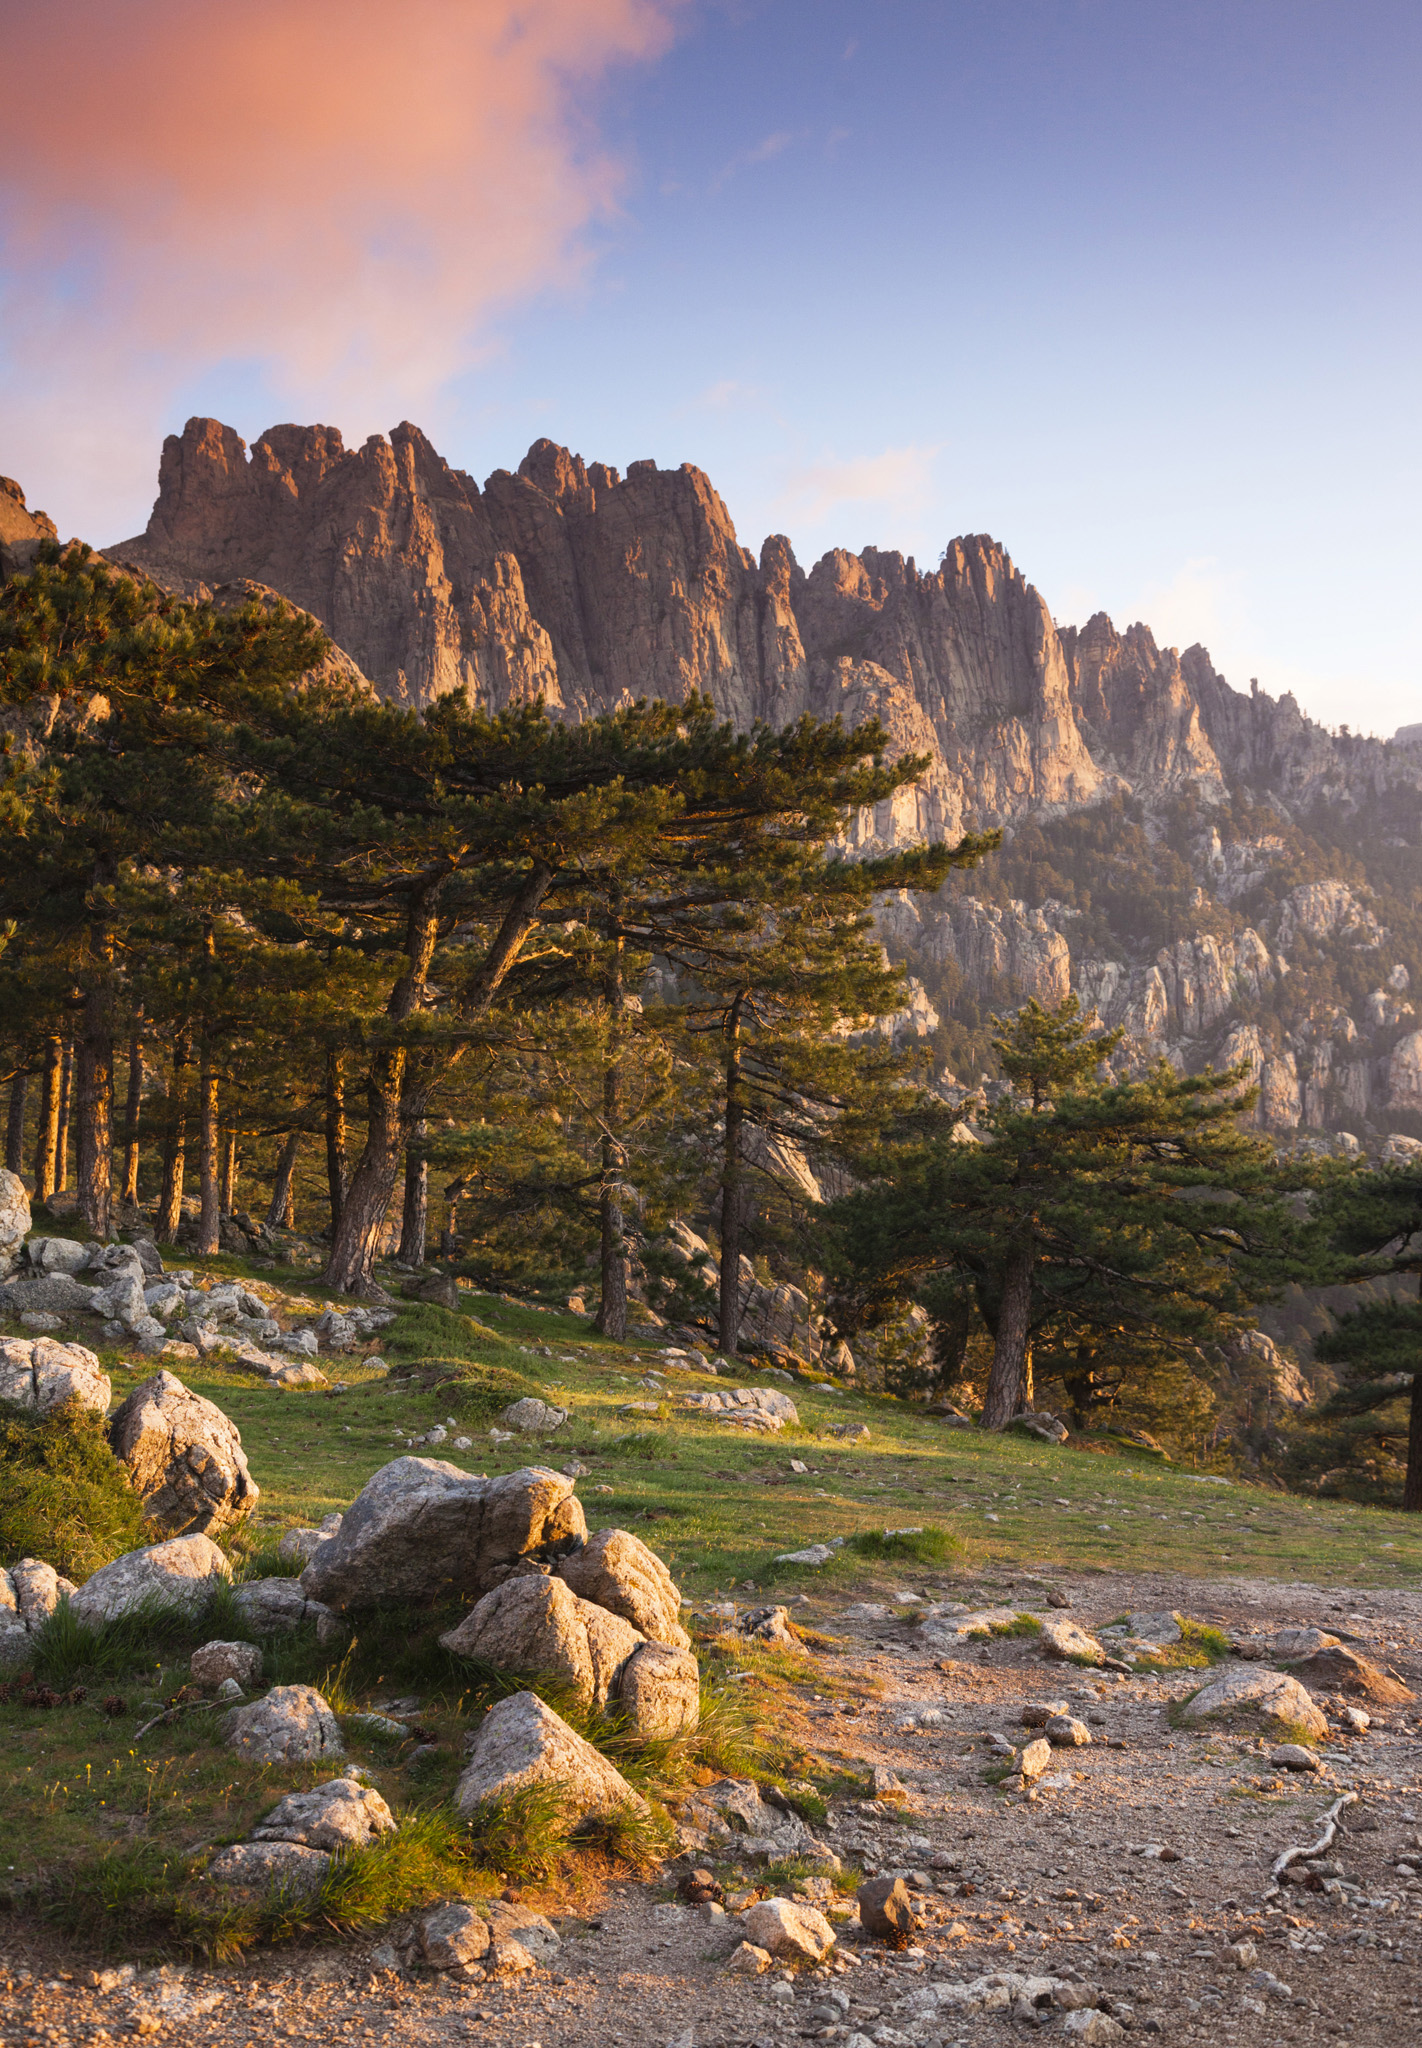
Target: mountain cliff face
<point x="571" y="582"/>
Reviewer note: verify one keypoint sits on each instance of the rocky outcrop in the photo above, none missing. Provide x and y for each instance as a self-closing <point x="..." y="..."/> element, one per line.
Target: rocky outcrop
<point x="522" y="1742"/>
<point x="423" y="1530"/>
<point x="184" y="1457"/>
<point x="178" y="1576"/>
<point x="39" y="1373"/>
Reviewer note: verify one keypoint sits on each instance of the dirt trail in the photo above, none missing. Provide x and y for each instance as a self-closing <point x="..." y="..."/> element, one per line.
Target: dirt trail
<point x="1057" y="1886"/>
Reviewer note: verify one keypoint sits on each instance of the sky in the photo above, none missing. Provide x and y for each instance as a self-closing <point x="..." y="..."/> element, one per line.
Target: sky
<point x="1131" y="285"/>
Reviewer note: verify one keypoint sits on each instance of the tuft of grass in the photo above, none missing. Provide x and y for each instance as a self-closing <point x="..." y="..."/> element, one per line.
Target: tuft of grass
<point x="68" y="1650"/>
<point x="645" y="1443"/>
<point x="925" y="1546"/>
<point x="1023" y="1625"/>
<point x="473" y="1390"/>
<point x="66" y="1497"/>
<point x="641" y="1837"/>
<point x="1199" y="1646"/>
<point x="522" y="1835"/>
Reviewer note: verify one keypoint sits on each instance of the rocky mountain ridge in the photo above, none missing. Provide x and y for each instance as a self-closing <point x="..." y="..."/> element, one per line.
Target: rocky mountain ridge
<point x="568" y="581"/>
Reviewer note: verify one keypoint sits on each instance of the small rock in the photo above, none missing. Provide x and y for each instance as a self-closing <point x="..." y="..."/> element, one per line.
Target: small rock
<point x="1252" y="1695"/>
<point x="218" y="1663"/>
<point x="888" y="1787"/>
<point x="341" y="1814"/>
<point x="748" y="1961"/>
<point x="533" y="1416"/>
<point x="1241" y="1955"/>
<point x="1040" y="1712"/>
<point x="291" y="1725"/>
<point x="1057" y="1598"/>
<point x="789" y="1930"/>
<point x="1356" y="1719"/>
<point x="260" y="1864"/>
<point x="1092" y="2029"/>
<point x="697" y="1886"/>
<point x="885" y="1908"/>
<point x="1292" y="1756"/>
<point x="452" y="1936"/>
<point x="1063" y="1731"/>
<point x="1035" y="1759"/>
<point x="1073" y="1645"/>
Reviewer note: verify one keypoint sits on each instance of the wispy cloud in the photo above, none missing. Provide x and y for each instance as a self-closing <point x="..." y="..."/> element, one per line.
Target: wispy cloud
<point x="341" y="195"/>
<point x="762" y="152"/>
<point x="900" y="478"/>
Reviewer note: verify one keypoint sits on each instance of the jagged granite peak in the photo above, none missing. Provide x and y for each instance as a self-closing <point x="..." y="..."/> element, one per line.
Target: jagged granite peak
<point x="569" y="581"/>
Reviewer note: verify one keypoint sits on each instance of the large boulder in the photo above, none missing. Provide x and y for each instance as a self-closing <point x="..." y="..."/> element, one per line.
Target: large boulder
<point x="37" y="1372"/>
<point x="615" y="1570"/>
<point x="180" y="1575"/>
<point x="341" y="1814"/>
<point x="521" y="1742"/>
<point x="258" y="1866"/>
<point x="293" y="1724"/>
<point x="53" y="1294"/>
<point x="1268" y="1699"/>
<point x="1333" y="1667"/>
<point x="422" y="1530"/>
<point x="452" y="1936"/>
<point x="184" y="1456"/>
<point x="659" y="1689"/>
<point x="536" y="1624"/>
<point x="532" y="1416"/>
<point x="274" y="1607"/>
<point x="14" y="1219"/>
<point x="29" y="1593"/>
<point x="57" y="1255"/>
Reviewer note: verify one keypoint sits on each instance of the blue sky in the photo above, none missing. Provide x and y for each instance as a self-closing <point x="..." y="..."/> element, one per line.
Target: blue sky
<point x="1134" y="288"/>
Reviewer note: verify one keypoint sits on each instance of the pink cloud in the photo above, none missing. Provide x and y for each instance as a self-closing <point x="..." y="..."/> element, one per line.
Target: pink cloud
<point x="348" y="193"/>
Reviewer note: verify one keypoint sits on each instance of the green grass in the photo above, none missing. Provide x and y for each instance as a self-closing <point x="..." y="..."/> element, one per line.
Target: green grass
<point x="719" y="1506"/>
<point x="1199" y="1646"/>
<point x="111" y="1833"/>
<point x="65" y="1497"/>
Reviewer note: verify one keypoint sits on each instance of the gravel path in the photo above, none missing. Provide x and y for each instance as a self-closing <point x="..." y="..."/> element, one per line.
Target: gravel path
<point x="1056" y="1886"/>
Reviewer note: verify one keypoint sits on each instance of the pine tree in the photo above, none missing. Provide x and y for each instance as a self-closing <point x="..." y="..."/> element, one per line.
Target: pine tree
<point x="1137" y="1215"/>
<point x="1374" y="1223"/>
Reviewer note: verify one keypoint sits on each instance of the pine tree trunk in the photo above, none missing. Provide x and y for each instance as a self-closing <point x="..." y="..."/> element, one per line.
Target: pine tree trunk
<point x="612" y="1309"/>
<point x="94" y="1073"/>
<point x="415" y="1214"/>
<point x="732" y="1170"/>
<point x="132" y="1112"/>
<point x="15" y="1125"/>
<point x="336" y="1175"/>
<point x="1009" y="1356"/>
<point x="227" y="1200"/>
<point x="279" y="1209"/>
<point x="1412" y="1484"/>
<point x="66" y="1098"/>
<point x="47" y="1140"/>
<point x="355" y="1239"/>
<point x="168" y="1220"/>
<point x="209" y="1229"/>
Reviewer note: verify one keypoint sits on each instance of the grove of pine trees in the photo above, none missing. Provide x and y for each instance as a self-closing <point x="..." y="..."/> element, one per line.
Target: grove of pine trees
<point x="269" y="944"/>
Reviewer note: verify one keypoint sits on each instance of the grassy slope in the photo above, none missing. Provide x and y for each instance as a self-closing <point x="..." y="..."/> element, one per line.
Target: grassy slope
<point x="719" y="1505"/>
<point x="81" y="1794"/>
